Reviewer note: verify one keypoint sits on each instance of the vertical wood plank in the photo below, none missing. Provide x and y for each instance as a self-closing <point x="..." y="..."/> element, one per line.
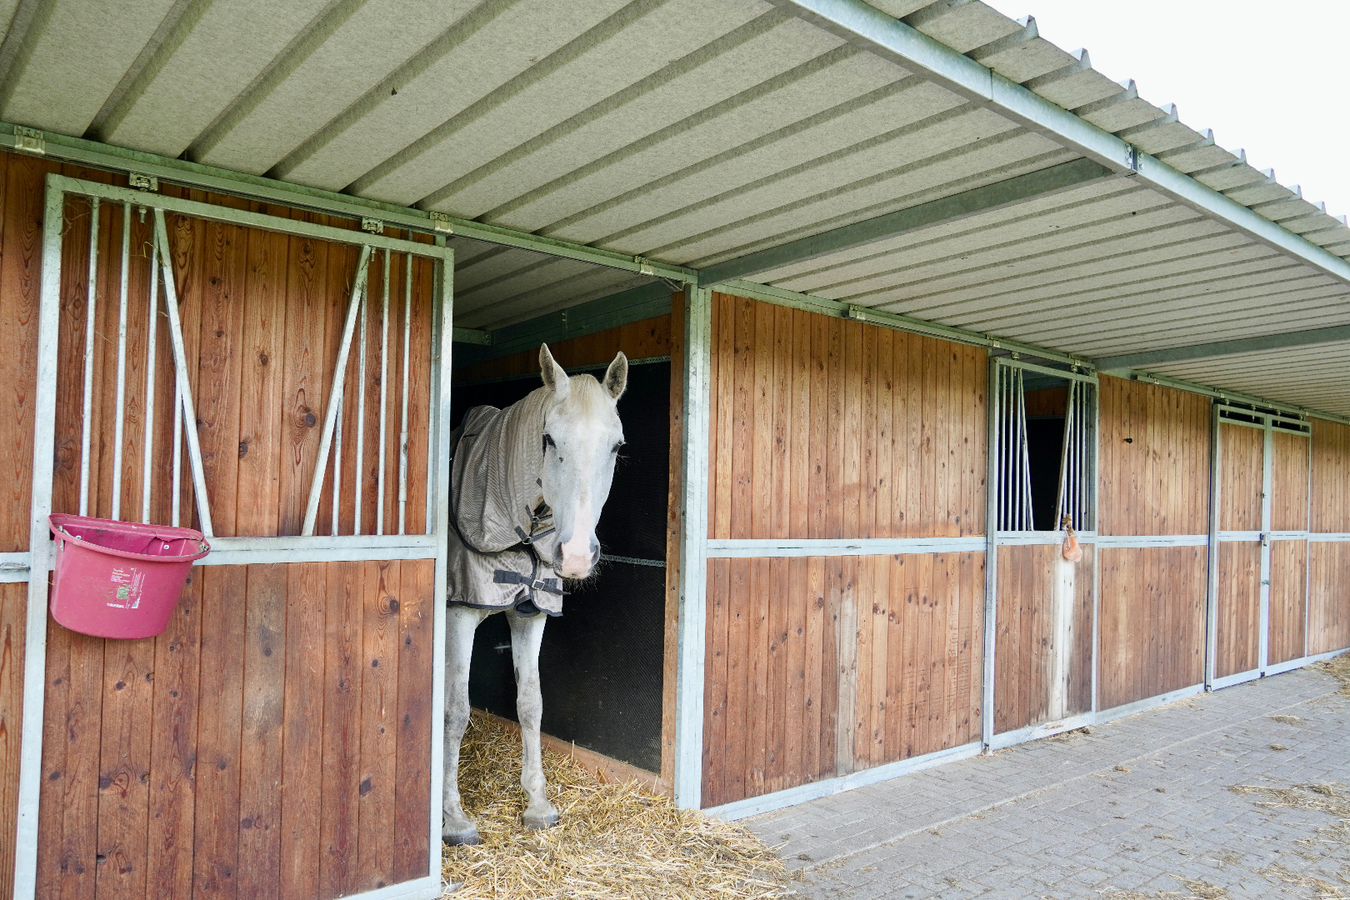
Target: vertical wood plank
<point x="378" y="673"/>
<point x="341" y="729"/>
<point x="302" y="750"/>
<point x="264" y="694"/>
<point x="411" y="848"/>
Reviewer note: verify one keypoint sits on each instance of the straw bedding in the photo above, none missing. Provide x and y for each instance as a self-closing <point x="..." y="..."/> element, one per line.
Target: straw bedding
<point x="615" y="841"/>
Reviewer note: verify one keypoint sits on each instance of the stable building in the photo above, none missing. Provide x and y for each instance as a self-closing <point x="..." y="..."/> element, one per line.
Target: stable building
<point x="908" y="292"/>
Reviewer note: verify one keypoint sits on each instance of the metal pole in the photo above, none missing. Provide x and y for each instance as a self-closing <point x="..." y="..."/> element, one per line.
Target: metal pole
<point x="692" y="621"/>
<point x="1212" y="554"/>
<point x="360" y="428"/>
<point x="403" y="428"/>
<point x="439" y="344"/>
<point x="177" y="452"/>
<point x="337" y="463"/>
<point x="91" y="314"/>
<point x="1065" y="460"/>
<point x="189" y="412"/>
<point x="1024" y="463"/>
<point x="335" y="398"/>
<point x="151" y="335"/>
<point x="992" y="502"/>
<point x="120" y="412"/>
<point x="40" y="547"/>
<point x="384" y="395"/>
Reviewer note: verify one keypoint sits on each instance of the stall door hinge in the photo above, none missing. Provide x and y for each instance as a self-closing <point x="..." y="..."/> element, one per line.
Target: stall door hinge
<point x="142" y="182"/>
<point x="441" y="222"/>
<point x="374" y="226"/>
<point x="29" y="140"/>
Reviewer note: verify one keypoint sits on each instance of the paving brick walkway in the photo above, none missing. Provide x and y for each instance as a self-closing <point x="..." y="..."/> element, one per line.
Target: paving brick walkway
<point x="1138" y="809"/>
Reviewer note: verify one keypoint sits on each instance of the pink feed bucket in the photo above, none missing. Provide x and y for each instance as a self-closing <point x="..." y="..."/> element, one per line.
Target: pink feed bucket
<point x="120" y="579"/>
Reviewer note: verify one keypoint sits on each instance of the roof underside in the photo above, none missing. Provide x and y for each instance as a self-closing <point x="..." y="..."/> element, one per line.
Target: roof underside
<point x="696" y="132"/>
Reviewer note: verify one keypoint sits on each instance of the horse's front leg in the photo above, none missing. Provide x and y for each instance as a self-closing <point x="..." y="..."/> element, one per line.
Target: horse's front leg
<point x="461" y="623"/>
<point x="526" y="635"/>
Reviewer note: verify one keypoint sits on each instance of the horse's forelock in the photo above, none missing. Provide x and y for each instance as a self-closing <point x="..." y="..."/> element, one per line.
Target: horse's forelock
<point x="588" y="399"/>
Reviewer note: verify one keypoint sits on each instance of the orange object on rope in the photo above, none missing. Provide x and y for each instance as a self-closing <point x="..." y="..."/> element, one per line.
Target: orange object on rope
<point x="1072" y="551"/>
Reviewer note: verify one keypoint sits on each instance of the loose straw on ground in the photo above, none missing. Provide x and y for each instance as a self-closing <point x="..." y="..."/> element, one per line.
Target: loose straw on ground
<point x="615" y="841"/>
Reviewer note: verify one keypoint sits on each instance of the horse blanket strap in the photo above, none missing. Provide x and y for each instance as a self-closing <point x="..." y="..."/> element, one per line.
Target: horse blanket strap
<point x="502" y="537"/>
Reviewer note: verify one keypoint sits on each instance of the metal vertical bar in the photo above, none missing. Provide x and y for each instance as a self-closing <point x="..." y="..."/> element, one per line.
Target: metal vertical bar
<point x="384" y="396"/>
<point x="360" y="425"/>
<point x="337" y="464"/>
<point x="1027" y="523"/>
<point x="442" y="311"/>
<point x="999" y="483"/>
<point x="335" y="396"/>
<point x="692" y="621"/>
<point x="992" y="500"/>
<point x="90" y="311"/>
<point x="120" y="411"/>
<point x="177" y="474"/>
<point x="189" y="412"/>
<point x="150" y="336"/>
<point x="403" y="427"/>
<point x="438" y="342"/>
<point x="1065" y="460"/>
<point x="40" y="547"/>
<point x="1267" y="480"/>
<point x="1212" y="554"/>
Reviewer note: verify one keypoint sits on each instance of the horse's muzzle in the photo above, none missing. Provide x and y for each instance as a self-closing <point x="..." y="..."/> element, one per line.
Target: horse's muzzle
<point x="573" y="564"/>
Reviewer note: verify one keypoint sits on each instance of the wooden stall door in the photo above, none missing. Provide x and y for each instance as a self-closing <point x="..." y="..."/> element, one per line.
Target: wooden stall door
<point x="275" y="740"/>
<point x="1287" y="621"/>
<point x="1241" y="463"/>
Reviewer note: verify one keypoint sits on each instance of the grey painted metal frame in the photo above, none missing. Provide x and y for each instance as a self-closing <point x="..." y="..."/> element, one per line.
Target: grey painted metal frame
<point x="1224" y="348"/>
<point x="692" y="623"/>
<point x="1212" y="563"/>
<point x="211" y="178"/>
<point x="777" y="548"/>
<point x="991" y="469"/>
<point x="35" y="565"/>
<point x="859" y="21"/>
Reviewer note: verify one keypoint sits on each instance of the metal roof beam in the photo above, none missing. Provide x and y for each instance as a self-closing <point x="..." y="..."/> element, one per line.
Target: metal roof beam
<point x="862" y="23"/>
<point x="947" y="209"/>
<point x="1223" y="348"/>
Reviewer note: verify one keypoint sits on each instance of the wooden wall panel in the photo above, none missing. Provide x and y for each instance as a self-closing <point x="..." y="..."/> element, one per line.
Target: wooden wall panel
<point x="874" y="432"/>
<point x="638" y="340"/>
<point x="820" y="666"/>
<point x="1239" y="615"/>
<point x="1328" y="596"/>
<point x="1241" y="452"/>
<point x="1289" y="482"/>
<point x="193" y="763"/>
<point x="1152" y="633"/>
<point x="1288" y="624"/>
<point x="220" y="810"/>
<point x="1154" y="465"/>
<point x="1027" y="635"/>
<point x="1330" y="477"/>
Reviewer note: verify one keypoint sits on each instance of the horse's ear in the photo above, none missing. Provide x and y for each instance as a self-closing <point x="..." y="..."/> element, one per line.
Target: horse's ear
<point x="616" y="376"/>
<point x="554" y="376"/>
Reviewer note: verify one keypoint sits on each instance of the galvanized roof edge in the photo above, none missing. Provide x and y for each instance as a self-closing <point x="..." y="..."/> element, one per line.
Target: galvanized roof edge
<point x="119" y="159"/>
<point x="958" y="72"/>
<point x="1226" y="395"/>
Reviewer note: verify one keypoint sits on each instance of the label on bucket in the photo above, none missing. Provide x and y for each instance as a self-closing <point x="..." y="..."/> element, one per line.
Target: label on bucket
<point x="128" y="583"/>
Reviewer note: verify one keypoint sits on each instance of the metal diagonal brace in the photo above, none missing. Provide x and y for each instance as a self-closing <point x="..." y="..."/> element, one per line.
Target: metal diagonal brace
<point x="335" y="396"/>
<point x="180" y="373"/>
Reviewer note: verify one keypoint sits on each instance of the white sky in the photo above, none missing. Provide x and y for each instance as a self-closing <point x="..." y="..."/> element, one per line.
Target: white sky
<point x="1270" y="77"/>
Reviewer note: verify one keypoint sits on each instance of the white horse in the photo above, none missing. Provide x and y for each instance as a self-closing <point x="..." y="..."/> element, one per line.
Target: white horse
<point x="528" y="484"/>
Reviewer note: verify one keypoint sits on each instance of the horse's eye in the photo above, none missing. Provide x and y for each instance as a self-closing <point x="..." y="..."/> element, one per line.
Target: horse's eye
<point x="548" y="441"/>
<point x="616" y="447"/>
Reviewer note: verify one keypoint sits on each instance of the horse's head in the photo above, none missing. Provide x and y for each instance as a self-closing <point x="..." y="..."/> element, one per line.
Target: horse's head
<point x="581" y="439"/>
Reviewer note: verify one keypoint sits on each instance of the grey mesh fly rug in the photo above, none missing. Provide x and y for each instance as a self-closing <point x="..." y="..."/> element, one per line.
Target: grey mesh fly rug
<point x="501" y="537"/>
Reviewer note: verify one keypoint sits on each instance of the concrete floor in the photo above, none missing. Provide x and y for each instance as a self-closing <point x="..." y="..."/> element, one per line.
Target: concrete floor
<point x="1140" y="808"/>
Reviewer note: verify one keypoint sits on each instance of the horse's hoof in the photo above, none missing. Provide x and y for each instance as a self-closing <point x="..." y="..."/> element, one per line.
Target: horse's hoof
<point x="461" y="838"/>
<point x="540" y="821"/>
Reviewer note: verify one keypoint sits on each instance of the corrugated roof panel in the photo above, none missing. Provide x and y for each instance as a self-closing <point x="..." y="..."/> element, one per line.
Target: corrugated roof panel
<point x="737" y="142"/>
<point x="628" y="48"/>
<point x="964" y="26"/>
<point x="496" y="45"/>
<point x="723" y="75"/>
<point x="81" y="50"/>
<point x="167" y="112"/>
<point x="813" y="199"/>
<point x="1312" y="376"/>
<point x="317" y="81"/>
